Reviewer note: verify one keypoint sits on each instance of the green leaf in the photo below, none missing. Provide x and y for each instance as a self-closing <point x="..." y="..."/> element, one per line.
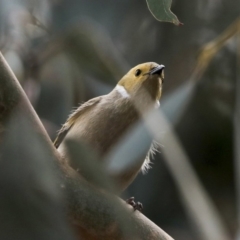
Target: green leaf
<point x="160" y="9"/>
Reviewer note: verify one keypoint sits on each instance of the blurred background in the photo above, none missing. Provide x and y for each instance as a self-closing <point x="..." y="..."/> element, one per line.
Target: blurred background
<point x="66" y="52"/>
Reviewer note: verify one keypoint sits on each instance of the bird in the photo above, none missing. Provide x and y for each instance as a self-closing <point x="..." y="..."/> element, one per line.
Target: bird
<point x="102" y="121"/>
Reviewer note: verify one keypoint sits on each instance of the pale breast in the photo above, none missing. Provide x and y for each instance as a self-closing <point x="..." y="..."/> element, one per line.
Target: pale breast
<point x="103" y="126"/>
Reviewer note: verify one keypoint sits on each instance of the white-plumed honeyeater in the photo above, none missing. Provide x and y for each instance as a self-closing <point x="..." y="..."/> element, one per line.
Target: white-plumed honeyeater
<point x="102" y="121"/>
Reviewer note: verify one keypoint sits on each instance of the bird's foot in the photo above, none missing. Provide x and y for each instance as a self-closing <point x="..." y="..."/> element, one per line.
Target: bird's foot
<point x="136" y="205"/>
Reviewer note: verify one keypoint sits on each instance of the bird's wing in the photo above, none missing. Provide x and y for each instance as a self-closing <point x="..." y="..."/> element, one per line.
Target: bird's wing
<point x="73" y="117"/>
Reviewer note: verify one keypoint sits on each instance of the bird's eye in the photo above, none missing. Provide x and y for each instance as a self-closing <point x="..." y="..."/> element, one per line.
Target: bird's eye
<point x="138" y="72"/>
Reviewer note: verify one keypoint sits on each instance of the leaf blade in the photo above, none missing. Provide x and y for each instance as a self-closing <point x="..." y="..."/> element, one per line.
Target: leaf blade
<point x="160" y="9"/>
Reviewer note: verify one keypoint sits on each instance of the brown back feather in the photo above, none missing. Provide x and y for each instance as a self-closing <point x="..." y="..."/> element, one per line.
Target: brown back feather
<point x="72" y="119"/>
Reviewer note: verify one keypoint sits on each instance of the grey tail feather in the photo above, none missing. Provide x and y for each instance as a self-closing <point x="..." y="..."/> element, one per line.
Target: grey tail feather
<point x="155" y="147"/>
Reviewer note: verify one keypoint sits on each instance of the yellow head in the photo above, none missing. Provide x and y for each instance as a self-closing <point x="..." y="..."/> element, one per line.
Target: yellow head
<point x="144" y="77"/>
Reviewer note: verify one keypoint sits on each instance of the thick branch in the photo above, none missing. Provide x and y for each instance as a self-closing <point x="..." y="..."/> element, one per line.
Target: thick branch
<point x="96" y="215"/>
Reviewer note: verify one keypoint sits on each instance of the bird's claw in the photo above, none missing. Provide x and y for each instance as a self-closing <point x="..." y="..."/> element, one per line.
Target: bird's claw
<point x="136" y="205"/>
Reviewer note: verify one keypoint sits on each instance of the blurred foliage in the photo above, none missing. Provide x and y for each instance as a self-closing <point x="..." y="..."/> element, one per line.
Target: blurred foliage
<point x="66" y="52"/>
<point x="32" y="205"/>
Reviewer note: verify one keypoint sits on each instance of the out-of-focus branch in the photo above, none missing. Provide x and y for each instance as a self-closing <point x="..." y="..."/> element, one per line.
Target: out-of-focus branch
<point x="90" y="45"/>
<point x="210" y="49"/>
<point x="196" y="200"/>
<point x="236" y="132"/>
<point x="93" y="215"/>
<point x="175" y="103"/>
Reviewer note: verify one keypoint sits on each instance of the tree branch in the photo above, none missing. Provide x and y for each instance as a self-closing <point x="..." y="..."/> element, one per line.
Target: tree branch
<point x="96" y="215"/>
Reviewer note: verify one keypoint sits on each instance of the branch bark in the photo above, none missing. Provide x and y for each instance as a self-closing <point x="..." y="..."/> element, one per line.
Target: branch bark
<point x="95" y="215"/>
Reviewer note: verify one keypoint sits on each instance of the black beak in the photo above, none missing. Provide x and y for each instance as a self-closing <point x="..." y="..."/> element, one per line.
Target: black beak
<point x="157" y="70"/>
